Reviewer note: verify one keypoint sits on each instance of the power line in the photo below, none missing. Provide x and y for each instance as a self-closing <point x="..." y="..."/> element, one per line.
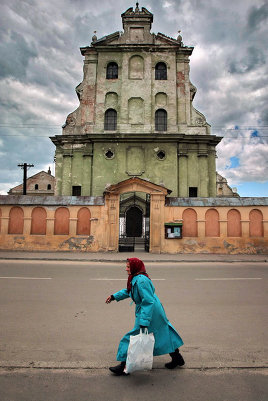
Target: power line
<point x="239" y="128"/>
<point x="47" y="136"/>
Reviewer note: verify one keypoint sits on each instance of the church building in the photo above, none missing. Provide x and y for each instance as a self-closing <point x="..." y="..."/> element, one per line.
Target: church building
<point x="136" y="117"/>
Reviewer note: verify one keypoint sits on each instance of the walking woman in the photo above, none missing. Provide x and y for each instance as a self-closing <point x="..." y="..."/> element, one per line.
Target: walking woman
<point x="149" y="314"/>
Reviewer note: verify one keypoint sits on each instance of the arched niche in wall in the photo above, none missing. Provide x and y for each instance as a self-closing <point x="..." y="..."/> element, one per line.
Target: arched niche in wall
<point x="83" y="221"/>
<point x="111" y="100"/>
<point x="39" y="222"/>
<point x="62" y="216"/>
<point x="160" y="99"/>
<point x="212" y="223"/>
<point x="234" y="223"/>
<point x="255" y="223"/>
<point x="136" y="67"/>
<point x="136" y="110"/>
<point x="16" y="222"/>
<point x="189" y="227"/>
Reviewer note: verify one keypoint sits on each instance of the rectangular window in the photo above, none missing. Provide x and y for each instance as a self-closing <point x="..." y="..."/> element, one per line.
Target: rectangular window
<point x="76" y="191"/>
<point x="192" y="192"/>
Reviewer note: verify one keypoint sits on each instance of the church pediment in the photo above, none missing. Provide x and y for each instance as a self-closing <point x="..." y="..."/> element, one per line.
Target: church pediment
<point x="108" y="39"/>
<point x="163" y="39"/>
<point x="136" y="184"/>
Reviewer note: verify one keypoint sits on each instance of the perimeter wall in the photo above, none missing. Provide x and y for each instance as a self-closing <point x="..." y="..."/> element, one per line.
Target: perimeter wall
<point x="62" y="223"/>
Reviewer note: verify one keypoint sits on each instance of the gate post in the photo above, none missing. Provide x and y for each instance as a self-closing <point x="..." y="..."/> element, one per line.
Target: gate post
<point x="156" y="221"/>
<point x="112" y="201"/>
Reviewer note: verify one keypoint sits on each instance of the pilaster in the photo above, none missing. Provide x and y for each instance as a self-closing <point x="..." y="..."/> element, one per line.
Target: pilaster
<point x="58" y="172"/>
<point x="113" y="220"/>
<point x="203" y="175"/>
<point x="5" y="220"/>
<point x="212" y="189"/>
<point x="27" y="211"/>
<point x="183" y="171"/>
<point x="67" y="174"/>
<point x="157" y="203"/>
<point x="50" y="221"/>
<point x="87" y="174"/>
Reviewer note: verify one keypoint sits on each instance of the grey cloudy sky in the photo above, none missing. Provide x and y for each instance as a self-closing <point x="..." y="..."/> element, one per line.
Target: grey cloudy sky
<point x="41" y="64"/>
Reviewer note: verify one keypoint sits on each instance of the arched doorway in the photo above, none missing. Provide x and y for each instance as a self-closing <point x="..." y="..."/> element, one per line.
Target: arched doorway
<point x="150" y="198"/>
<point x="134" y="222"/>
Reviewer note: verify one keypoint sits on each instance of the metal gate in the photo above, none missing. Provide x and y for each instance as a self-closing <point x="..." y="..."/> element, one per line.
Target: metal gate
<point x="147" y="224"/>
<point x="134" y="223"/>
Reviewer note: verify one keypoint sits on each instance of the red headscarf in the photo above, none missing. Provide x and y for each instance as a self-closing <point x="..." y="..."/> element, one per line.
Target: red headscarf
<point x="136" y="267"/>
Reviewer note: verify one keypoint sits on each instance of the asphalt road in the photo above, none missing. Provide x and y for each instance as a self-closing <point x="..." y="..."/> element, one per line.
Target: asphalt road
<point x="53" y="315"/>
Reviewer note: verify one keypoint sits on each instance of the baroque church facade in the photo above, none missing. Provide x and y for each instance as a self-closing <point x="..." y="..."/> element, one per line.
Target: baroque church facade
<point x="136" y="117"/>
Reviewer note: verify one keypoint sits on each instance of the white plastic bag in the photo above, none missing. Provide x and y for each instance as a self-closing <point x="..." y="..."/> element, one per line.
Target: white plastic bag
<point x="140" y="352"/>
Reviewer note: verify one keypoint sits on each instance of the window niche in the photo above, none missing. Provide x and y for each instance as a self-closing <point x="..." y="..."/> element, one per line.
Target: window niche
<point x="136" y="110"/>
<point x="161" y="99"/>
<point x="136" y="67"/>
<point x="111" y="100"/>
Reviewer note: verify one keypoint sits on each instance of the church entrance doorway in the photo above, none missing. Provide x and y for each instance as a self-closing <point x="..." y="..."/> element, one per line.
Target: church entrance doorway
<point x="134" y="219"/>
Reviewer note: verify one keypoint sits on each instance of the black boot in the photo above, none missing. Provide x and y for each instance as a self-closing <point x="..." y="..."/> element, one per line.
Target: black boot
<point x="119" y="369"/>
<point x="177" y="360"/>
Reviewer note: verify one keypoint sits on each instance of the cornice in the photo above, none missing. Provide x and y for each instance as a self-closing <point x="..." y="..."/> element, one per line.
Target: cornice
<point x="139" y="138"/>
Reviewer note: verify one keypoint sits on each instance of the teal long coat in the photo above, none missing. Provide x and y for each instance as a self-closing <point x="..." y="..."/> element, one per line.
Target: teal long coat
<point x="150" y="313"/>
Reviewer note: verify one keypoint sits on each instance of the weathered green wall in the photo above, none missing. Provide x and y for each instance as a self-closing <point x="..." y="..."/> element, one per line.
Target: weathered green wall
<point x="190" y="166"/>
<point x="115" y="170"/>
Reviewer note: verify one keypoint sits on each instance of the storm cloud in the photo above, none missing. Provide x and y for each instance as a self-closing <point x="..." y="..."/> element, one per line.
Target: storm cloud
<point x="41" y="64"/>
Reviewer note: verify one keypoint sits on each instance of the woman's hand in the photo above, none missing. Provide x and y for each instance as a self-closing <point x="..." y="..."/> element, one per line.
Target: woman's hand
<point x="109" y="299"/>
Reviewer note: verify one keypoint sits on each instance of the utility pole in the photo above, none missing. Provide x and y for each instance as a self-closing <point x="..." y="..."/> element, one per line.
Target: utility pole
<point x="24" y="167"/>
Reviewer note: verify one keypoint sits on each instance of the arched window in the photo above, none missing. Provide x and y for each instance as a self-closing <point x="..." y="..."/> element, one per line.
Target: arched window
<point x="212" y="223"/>
<point x="112" y="71"/>
<point x="110" y="121"/>
<point x="61" y="226"/>
<point x="15" y="224"/>
<point x="160" y="120"/>
<point x="36" y="186"/>
<point x="83" y="221"/>
<point x="39" y="223"/>
<point x="233" y="223"/>
<point x="255" y="223"/>
<point x="161" y="71"/>
<point x="189" y="227"/>
<point x="48" y="186"/>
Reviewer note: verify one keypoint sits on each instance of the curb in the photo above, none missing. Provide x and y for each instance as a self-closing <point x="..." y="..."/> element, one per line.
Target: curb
<point x="146" y="260"/>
